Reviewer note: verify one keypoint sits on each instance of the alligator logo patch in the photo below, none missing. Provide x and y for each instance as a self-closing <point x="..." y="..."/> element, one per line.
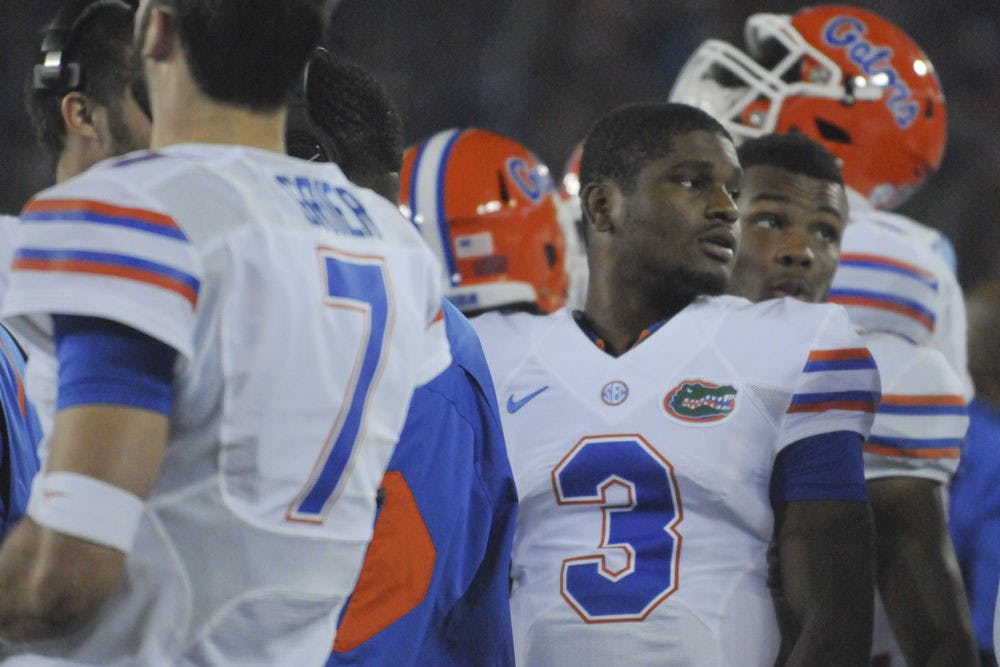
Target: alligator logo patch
<point x="700" y="402"/>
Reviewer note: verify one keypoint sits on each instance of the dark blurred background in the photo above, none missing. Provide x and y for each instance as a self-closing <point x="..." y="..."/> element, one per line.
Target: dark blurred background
<point x="543" y="71"/>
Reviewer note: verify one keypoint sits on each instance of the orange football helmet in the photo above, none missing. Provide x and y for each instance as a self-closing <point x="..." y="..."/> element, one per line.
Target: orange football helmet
<point x="488" y="208"/>
<point x="845" y="77"/>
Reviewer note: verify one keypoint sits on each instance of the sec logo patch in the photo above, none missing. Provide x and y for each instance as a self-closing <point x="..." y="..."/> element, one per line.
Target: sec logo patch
<point x="614" y="392"/>
<point x="700" y="401"/>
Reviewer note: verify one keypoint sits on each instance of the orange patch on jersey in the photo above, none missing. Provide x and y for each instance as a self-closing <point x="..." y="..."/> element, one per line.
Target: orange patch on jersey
<point x="397" y="569"/>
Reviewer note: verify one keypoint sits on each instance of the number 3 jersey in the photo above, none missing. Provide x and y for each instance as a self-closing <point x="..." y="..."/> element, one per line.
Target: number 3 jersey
<point x="643" y="480"/>
<point x="304" y="311"/>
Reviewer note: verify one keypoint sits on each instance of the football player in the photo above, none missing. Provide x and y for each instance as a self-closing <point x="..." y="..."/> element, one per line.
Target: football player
<point x="87" y="103"/>
<point x="660" y="442"/>
<point x="793" y="212"/>
<point x="490" y="211"/>
<point x="857" y="84"/>
<point x="238" y="336"/>
<point x="433" y="586"/>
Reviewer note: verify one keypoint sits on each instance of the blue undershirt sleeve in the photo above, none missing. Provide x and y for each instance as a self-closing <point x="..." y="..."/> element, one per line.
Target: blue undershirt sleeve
<point x="829" y="466"/>
<point x="105" y="362"/>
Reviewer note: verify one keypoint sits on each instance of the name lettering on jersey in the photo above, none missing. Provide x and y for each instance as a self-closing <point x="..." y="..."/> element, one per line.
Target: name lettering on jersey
<point x="614" y="393"/>
<point x="847" y="33"/>
<point x="329" y="206"/>
<point x="700" y="401"/>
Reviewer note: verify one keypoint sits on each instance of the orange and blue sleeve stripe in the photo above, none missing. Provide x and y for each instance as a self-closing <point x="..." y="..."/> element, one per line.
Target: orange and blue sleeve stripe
<point x="846" y="359"/>
<point x="922" y="280"/>
<point x="106" y="263"/>
<point x="858" y="401"/>
<point x="95" y="212"/>
<point x="110" y="265"/>
<point x="884" y="301"/>
<point x="850" y="368"/>
<point x="879" y="263"/>
<point x="915" y="448"/>
<point x="923" y="405"/>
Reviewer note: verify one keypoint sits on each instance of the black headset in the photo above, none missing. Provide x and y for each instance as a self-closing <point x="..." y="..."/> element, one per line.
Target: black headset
<point x="56" y="73"/>
<point x="304" y="138"/>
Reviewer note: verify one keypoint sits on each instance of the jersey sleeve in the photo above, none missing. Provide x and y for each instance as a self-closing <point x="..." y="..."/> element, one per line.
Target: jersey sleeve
<point x="888" y="283"/>
<point x="837" y="387"/>
<point x="93" y="246"/>
<point x="821" y="467"/>
<point x="921" y="419"/>
<point x="893" y="279"/>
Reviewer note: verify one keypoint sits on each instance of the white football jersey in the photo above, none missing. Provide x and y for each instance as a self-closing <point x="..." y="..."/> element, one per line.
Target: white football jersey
<point x="305" y="311"/>
<point x="892" y="279"/>
<point x="921" y="419"/>
<point x="643" y="479"/>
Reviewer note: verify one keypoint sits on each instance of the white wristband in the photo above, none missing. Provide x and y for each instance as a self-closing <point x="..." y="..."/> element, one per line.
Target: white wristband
<point x="87" y="508"/>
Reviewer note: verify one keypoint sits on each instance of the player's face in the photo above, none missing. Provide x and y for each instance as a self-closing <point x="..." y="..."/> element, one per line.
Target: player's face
<point x="791" y="230"/>
<point x="679" y="230"/>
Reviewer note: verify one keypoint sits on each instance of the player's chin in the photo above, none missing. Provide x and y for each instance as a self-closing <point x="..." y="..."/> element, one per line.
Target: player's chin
<point x="711" y="281"/>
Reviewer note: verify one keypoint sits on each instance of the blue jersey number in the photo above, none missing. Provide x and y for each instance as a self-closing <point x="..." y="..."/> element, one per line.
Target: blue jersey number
<point x="636" y="566"/>
<point x="356" y="283"/>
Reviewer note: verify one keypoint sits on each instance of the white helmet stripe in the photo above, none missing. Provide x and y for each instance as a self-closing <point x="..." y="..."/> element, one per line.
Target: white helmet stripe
<point x="427" y="197"/>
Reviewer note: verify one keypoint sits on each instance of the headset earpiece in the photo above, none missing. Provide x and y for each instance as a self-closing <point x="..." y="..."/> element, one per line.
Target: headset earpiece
<point x="55" y="73"/>
<point x="304" y="138"/>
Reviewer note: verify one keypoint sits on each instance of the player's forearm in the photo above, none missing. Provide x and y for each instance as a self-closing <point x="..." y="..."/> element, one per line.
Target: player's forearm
<point x="826" y="553"/>
<point x="952" y="653"/>
<point x="832" y="639"/>
<point x="930" y="633"/>
<point x="918" y="573"/>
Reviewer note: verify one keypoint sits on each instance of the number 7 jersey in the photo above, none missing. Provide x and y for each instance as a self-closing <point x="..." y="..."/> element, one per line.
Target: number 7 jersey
<point x="303" y="310"/>
<point x="643" y="480"/>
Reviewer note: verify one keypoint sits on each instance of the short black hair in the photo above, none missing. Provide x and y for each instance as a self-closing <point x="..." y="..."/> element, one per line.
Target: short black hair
<point x="629" y="137"/>
<point x="356" y="112"/>
<point x="794" y="152"/>
<point x="248" y="53"/>
<point x="102" y="46"/>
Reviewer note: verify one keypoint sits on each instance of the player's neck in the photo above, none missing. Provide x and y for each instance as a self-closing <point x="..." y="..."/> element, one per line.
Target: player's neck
<point x="621" y="317"/>
<point x="201" y="120"/>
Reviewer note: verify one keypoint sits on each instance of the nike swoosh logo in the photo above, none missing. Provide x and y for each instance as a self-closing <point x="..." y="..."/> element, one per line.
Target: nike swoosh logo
<point x="513" y="406"/>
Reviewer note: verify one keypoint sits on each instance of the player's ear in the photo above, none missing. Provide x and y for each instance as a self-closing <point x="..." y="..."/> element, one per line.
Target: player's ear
<point x="78" y="115"/>
<point x="598" y="202"/>
<point x="160" y="38"/>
